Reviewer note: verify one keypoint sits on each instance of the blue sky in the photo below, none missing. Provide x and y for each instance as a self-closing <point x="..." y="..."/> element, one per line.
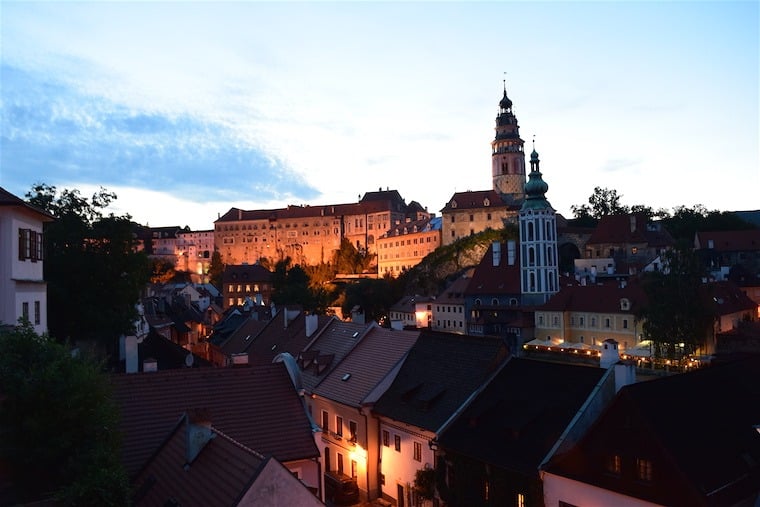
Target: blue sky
<point x="185" y="109"/>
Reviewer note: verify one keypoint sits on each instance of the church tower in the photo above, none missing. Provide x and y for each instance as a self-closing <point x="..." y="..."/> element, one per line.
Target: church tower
<point x="507" y="155"/>
<point x="538" y="241"/>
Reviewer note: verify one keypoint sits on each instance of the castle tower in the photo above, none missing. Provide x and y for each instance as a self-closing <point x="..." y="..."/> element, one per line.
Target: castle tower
<point x="507" y="155"/>
<point x="538" y="240"/>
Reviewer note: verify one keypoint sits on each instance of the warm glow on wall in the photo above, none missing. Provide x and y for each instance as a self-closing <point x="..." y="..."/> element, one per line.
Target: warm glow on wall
<point x="358" y="454"/>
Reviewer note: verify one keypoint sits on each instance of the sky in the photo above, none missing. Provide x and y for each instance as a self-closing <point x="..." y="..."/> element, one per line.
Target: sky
<point x="187" y="109"/>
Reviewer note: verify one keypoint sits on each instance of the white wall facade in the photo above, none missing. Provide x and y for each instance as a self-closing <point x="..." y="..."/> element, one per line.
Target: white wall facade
<point x="22" y="287"/>
<point x="398" y="467"/>
<point x="561" y="489"/>
<point x="449" y="317"/>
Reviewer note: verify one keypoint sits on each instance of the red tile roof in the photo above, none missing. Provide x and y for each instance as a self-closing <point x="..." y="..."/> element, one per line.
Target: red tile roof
<point x="597" y="298"/>
<point x="327" y="349"/>
<point x="488" y="279"/>
<point x="726" y="298"/>
<point x="366" y="365"/>
<point x="729" y="241"/>
<point x="627" y="229"/>
<point x="208" y="480"/>
<point x="221" y="474"/>
<point x="454" y="293"/>
<point x="697" y="427"/>
<point x="259" y="407"/>
<point x="286" y="332"/>
<point x="475" y="199"/>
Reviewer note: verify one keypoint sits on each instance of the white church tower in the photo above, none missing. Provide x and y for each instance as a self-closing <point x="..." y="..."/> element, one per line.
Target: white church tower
<point x="539" y="271"/>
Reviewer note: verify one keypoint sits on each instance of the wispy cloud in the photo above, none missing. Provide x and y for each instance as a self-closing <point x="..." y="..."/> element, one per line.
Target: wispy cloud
<point x="620" y="164"/>
<point x="58" y="134"/>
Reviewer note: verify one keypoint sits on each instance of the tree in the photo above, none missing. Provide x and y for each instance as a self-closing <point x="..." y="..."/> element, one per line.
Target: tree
<point x="216" y="270"/>
<point x="601" y="203"/>
<point x="424" y="483"/>
<point x="349" y="260"/>
<point x="685" y="222"/>
<point x="161" y="271"/>
<point x="292" y="286"/>
<point x="676" y="311"/>
<point x="374" y="296"/>
<point x="58" y="424"/>
<point x="93" y="271"/>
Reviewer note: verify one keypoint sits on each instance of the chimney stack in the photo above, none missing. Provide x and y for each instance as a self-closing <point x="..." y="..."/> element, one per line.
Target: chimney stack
<point x="610" y="354"/>
<point x="511" y="252"/>
<point x="199" y="433"/>
<point x="311" y="324"/>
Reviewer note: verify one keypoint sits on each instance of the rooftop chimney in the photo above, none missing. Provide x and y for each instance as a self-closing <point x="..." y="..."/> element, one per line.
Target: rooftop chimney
<point x="311" y="324"/>
<point x="496" y="253"/>
<point x="199" y="433"/>
<point x="610" y="354"/>
<point x="625" y="374"/>
<point x="511" y="252"/>
<point x="130" y="350"/>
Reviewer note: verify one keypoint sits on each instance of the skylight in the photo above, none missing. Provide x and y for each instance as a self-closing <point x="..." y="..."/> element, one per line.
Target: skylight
<point x="346" y="377"/>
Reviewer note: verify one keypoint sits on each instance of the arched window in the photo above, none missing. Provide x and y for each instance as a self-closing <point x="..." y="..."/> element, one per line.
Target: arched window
<point x="531" y="257"/>
<point x="494" y="302"/>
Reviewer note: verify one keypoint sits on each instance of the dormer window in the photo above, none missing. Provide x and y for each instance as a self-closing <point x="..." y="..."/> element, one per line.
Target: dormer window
<point x="486" y="202"/>
<point x="453" y="204"/>
<point x="625" y="304"/>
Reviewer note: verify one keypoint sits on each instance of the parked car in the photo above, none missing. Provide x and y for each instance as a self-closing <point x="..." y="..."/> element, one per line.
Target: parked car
<point x="340" y="489"/>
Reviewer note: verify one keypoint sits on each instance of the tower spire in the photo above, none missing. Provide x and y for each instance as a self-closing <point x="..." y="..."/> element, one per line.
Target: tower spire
<point x="507" y="155"/>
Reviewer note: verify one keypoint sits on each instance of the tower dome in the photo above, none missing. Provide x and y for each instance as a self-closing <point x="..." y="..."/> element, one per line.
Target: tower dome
<point x="505" y="103"/>
<point x="536" y="187"/>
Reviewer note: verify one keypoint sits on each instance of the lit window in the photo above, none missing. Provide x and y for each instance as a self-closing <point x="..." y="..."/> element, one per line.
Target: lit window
<point x="644" y="469"/>
<point x="352" y="430"/>
<point x="520" y="500"/>
<point x="614" y="464"/>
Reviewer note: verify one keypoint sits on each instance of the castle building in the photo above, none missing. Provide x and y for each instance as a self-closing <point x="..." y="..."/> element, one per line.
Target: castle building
<point x="406" y="244"/>
<point x="310" y="234"/>
<point x="538" y="240"/>
<point x="470" y="212"/>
